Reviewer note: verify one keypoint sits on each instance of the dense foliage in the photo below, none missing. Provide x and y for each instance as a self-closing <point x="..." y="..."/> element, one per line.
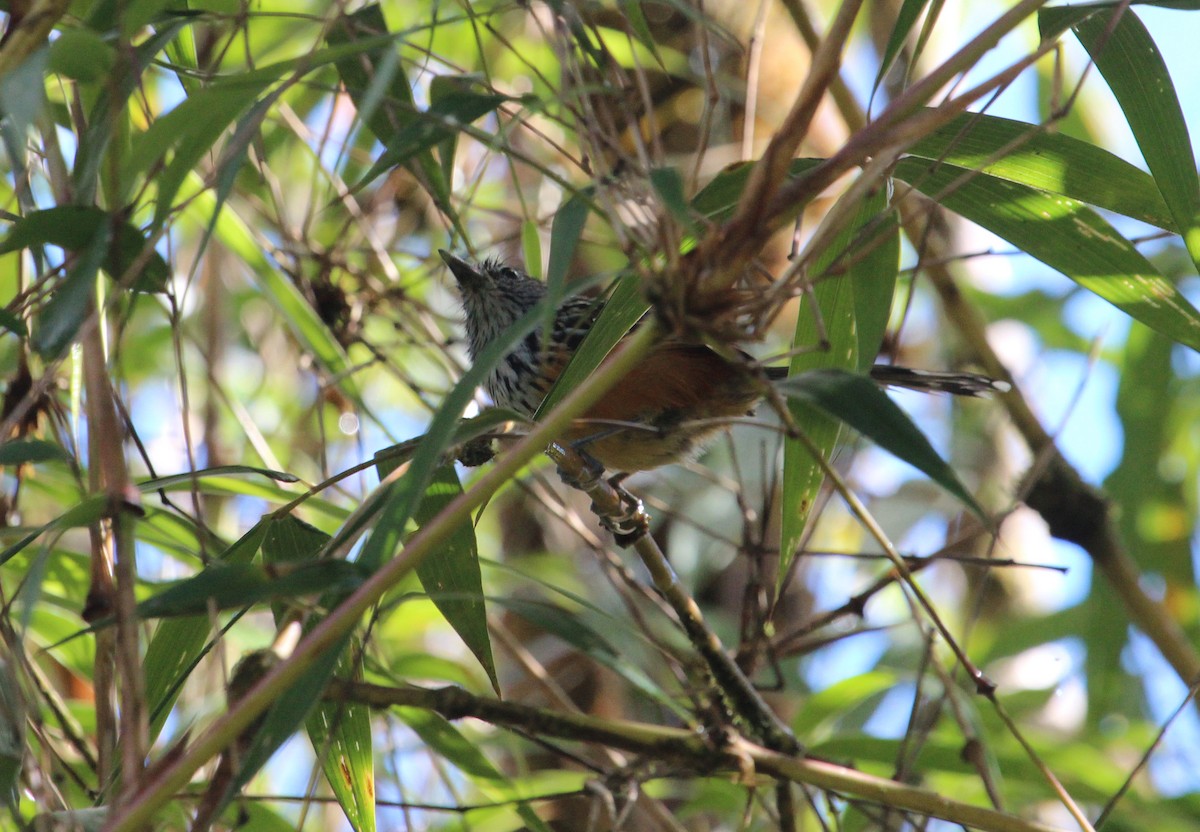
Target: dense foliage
<point x="245" y="582"/>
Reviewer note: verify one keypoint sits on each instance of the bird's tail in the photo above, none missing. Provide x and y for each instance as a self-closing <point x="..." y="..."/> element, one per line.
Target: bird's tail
<point x="927" y="381"/>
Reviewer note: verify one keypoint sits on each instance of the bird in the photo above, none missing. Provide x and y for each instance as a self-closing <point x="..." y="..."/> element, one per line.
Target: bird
<point x="664" y="410"/>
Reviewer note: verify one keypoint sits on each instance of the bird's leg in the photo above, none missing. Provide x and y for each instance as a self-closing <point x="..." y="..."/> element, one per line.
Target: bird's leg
<point x="580" y="470"/>
<point x="618" y="511"/>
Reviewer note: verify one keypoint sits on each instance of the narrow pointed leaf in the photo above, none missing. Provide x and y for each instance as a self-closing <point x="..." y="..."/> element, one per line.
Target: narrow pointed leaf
<point x="380" y="90"/>
<point x="1130" y="62"/>
<point x="442" y="736"/>
<point x="21" y="451"/>
<point x="444" y="119"/>
<point x="228" y="586"/>
<point x="340" y="732"/>
<point x="1051" y="162"/>
<point x="565" y="232"/>
<point x="1065" y="235"/>
<point x="906" y="19"/>
<point x="178" y="643"/>
<point x="718" y="199"/>
<point x="859" y="403"/>
<point x="74" y="228"/>
<point x="452" y="577"/>
<point x="864" y="290"/>
<point x="217" y="471"/>
<point x="57" y="323"/>
<point x="625" y="307"/>
<point x="668" y="184"/>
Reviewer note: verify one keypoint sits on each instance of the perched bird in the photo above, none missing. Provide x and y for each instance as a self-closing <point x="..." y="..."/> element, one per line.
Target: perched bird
<point x="677" y="397"/>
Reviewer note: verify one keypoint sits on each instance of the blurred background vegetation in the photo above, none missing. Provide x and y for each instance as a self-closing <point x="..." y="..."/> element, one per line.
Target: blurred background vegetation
<point x="222" y="298"/>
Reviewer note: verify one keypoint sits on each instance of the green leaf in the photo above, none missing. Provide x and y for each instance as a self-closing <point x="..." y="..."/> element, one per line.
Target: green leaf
<point x="380" y="91"/>
<point x="906" y="19"/>
<point x="23" y="99"/>
<point x="60" y="319"/>
<point x="668" y="184"/>
<point x="340" y="731"/>
<point x="108" y="119"/>
<point x="1155" y="517"/>
<point x="442" y="88"/>
<point x="865" y="289"/>
<point x="391" y="506"/>
<point x="439" y="734"/>
<point x="858" y="402"/>
<point x="178" y="643"/>
<point x="632" y="10"/>
<point x="289" y="540"/>
<point x="286" y="714"/>
<point x="191" y="129"/>
<point x="229" y="586"/>
<point x="20" y="451"/>
<point x="452" y="579"/>
<point x="717" y="200"/>
<point x="81" y="55"/>
<point x="565" y="232"/>
<point x="624" y="308"/>
<point x="84" y="513"/>
<point x="873" y="268"/>
<point x="1065" y="235"/>
<point x="444" y="119"/>
<point x="12" y="735"/>
<point x="13" y="324"/>
<point x="74" y="228"/>
<point x="1051" y="162"/>
<point x="531" y="249"/>
<point x="839" y="699"/>
<point x="1130" y="62"/>
<point x="574" y="630"/>
<point x="466" y="430"/>
<point x="191" y="477"/>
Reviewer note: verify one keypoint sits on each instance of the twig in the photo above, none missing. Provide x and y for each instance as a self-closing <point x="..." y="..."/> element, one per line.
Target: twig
<point x="742" y="697"/>
<point x="688" y="748"/>
<point x="174" y="775"/>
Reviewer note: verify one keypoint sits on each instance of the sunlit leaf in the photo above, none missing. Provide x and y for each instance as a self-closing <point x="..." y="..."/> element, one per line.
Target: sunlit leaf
<point x="177" y="643"/>
<point x="451" y="578"/>
<point x="228" y="586"/>
<point x="340" y="732"/>
<point x="860" y="268"/>
<point x="1130" y="62"/>
<point x="1065" y="235"/>
<point x="1029" y="155"/>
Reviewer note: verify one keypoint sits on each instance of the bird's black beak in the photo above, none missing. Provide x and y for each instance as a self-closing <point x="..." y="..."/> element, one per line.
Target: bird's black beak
<point x="468" y="276"/>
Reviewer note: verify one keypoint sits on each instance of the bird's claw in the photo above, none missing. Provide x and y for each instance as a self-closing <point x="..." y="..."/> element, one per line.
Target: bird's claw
<point x="629" y="527"/>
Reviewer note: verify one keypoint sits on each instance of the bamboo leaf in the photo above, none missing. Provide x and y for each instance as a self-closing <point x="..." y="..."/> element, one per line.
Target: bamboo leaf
<point x="452" y="579"/>
<point x="859" y="403"/>
<point x="832" y="313"/>
<point x="1130" y="62"/>
<point x="340" y="732"/>
<point x="1065" y="235"/>
<point x="1052" y="162"/>
<point x="178" y="643"/>
<point x="74" y="228"/>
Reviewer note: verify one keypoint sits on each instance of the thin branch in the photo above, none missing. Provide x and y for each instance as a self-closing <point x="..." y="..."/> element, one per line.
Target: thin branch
<point x="687" y="748"/>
